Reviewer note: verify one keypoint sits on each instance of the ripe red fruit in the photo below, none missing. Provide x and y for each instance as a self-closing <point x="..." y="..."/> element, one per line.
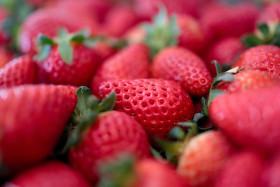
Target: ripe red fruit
<point x="263" y="58"/>
<point x="19" y="71"/>
<point x="271" y="173"/>
<point x="110" y="136"/>
<point x="3" y="35"/>
<point x="104" y="51"/>
<point x="203" y="158"/>
<point x="48" y="22"/>
<point x="130" y="63"/>
<point x="31" y="122"/>
<point x="225" y="20"/>
<point x="246" y="117"/>
<point x="270" y="13"/>
<point x="244" y="169"/>
<point x="156" y="104"/>
<point x="119" y="20"/>
<point x="247" y="80"/>
<point x="52" y="173"/>
<point x="5" y="56"/>
<point x="183" y="67"/>
<point x="156" y="173"/>
<point x="224" y="51"/>
<point x="84" y="64"/>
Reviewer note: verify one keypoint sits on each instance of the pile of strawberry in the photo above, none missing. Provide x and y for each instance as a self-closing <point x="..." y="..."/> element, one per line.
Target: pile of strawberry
<point x="139" y="93"/>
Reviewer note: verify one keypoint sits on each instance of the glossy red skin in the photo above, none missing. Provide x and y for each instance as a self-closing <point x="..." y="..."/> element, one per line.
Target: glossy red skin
<point x="119" y="20"/>
<point x="271" y="173"/>
<point x="112" y="135"/>
<point x="154" y="173"/>
<point x="130" y="63"/>
<point x="263" y="58"/>
<point x="191" y="35"/>
<point x="5" y="56"/>
<point x="84" y="64"/>
<point x="244" y="169"/>
<point x="21" y="70"/>
<point x="30" y="115"/>
<point x="248" y="80"/>
<point x="225" y="51"/>
<point x="148" y="8"/>
<point x="185" y="68"/>
<point x="49" y="174"/>
<point x="156" y="104"/>
<point x="48" y="22"/>
<point x="225" y="20"/>
<point x="247" y="117"/>
<point x="270" y="13"/>
<point x="104" y="51"/>
<point x="203" y="158"/>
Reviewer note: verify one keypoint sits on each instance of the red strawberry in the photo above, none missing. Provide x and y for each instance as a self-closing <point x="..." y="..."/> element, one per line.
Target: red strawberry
<point x="204" y="157"/>
<point x="247" y="80"/>
<point x="47" y="22"/>
<point x="179" y="30"/>
<point x="69" y="60"/>
<point x="225" y="20"/>
<point x="271" y="174"/>
<point x="3" y="34"/>
<point x="21" y="70"/>
<point x="144" y="173"/>
<point x="5" y="56"/>
<point x="104" y="50"/>
<point x="225" y="51"/>
<point x="243" y="170"/>
<point x="136" y="34"/>
<point x="119" y="20"/>
<point x="148" y="8"/>
<point x="263" y="58"/>
<point x="111" y="135"/>
<point x="156" y="104"/>
<point x="52" y="173"/>
<point x="32" y="120"/>
<point x="131" y="63"/>
<point x="271" y="13"/>
<point x="246" y="117"/>
<point x="183" y="67"/>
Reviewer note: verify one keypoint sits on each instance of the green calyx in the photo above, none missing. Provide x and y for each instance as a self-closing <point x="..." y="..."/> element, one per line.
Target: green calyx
<point x="266" y="34"/>
<point x="119" y="173"/>
<point x="64" y="41"/>
<point x="18" y="10"/>
<point x="163" y="32"/>
<point x="87" y="110"/>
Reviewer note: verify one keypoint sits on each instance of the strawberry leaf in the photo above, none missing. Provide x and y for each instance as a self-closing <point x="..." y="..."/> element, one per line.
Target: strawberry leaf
<point x="44" y="40"/>
<point x="66" y="51"/>
<point x="263" y="27"/>
<point x="251" y="41"/>
<point x="217" y="66"/>
<point x="43" y="53"/>
<point x="227" y="77"/>
<point x="155" y="153"/>
<point x="214" y="94"/>
<point x="107" y="103"/>
<point x="177" y="133"/>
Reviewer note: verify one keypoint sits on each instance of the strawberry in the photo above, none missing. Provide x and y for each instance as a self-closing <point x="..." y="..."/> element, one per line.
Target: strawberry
<point x="271" y="13"/>
<point x="25" y="136"/>
<point x="106" y="137"/>
<point x="156" y="104"/>
<point x="250" y="119"/>
<point x="271" y="173"/>
<point x="136" y="34"/>
<point x="131" y="63"/>
<point x="3" y="34"/>
<point x="21" y="70"/>
<point x="146" y="172"/>
<point x="47" y="22"/>
<point x="203" y="158"/>
<point x="225" y="51"/>
<point x="183" y="67"/>
<point x="244" y="169"/>
<point x="263" y="58"/>
<point x="181" y="30"/>
<point x="104" y="50"/>
<point x="247" y="80"/>
<point x="148" y="8"/>
<point x="119" y="20"/>
<point x="225" y="20"/>
<point x="5" y="56"/>
<point x="67" y="59"/>
<point x="52" y="173"/>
